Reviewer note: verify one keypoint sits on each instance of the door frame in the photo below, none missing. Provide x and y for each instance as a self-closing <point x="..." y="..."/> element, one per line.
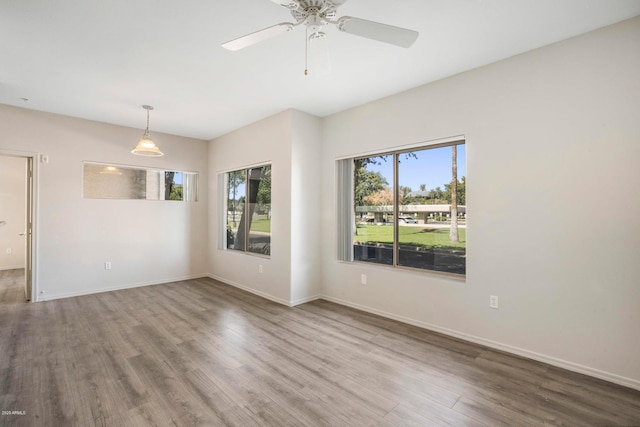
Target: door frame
<point x="31" y="237"/>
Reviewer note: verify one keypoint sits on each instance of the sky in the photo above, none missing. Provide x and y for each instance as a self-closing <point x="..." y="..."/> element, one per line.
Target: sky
<point x="431" y="167"/>
<point x="177" y="178"/>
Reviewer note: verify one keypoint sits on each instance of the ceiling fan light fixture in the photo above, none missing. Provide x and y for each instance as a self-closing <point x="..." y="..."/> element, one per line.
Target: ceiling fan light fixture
<point x="146" y="146"/>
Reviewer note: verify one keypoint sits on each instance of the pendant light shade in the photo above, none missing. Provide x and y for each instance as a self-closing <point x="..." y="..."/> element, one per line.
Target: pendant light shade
<point x="146" y="146"/>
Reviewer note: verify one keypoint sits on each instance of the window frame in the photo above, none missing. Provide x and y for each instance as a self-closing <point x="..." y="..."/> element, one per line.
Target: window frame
<point x="223" y="242"/>
<point x="346" y="241"/>
<point x="94" y="183"/>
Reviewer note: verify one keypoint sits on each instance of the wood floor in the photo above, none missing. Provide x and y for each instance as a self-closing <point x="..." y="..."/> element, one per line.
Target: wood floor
<point x="200" y="352"/>
<point x="11" y="287"/>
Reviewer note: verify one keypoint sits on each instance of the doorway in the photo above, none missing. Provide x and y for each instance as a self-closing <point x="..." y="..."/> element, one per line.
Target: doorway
<point x="16" y="228"/>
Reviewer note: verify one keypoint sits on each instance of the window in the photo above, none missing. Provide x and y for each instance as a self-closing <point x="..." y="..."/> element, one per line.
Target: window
<point x="408" y="209"/>
<point x="109" y="181"/>
<point x="248" y="225"/>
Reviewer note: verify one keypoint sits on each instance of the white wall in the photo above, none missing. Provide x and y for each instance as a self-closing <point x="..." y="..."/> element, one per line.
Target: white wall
<point x="553" y="142"/>
<point x="288" y="141"/>
<point x="306" y="175"/>
<point x="12" y="212"/>
<point x="266" y="141"/>
<point x="147" y="242"/>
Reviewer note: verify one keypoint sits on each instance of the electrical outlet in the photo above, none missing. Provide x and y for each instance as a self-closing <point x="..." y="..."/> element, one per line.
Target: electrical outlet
<point x="260" y="269"/>
<point x="363" y="279"/>
<point x="107" y="265"/>
<point x="493" y="301"/>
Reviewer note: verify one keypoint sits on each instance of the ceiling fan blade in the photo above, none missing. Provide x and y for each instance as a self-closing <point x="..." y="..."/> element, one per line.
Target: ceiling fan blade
<point x="258" y="36"/>
<point x="377" y="31"/>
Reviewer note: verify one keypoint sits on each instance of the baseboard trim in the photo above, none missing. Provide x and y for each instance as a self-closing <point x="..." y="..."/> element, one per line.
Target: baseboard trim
<point x="48" y="297"/>
<point x="250" y="290"/>
<point x="304" y="300"/>
<point x="554" y="361"/>
<point x="17" y="267"/>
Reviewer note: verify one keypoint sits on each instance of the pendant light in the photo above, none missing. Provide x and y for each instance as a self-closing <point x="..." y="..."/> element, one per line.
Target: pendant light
<point x="146" y="146"/>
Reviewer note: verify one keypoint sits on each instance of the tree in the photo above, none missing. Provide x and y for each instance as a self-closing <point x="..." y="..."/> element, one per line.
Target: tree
<point x="254" y="179"/>
<point x="423" y="187"/>
<point x="461" y="193"/>
<point x="236" y="178"/>
<point x="366" y="182"/>
<point x="168" y="184"/>
<point x="176" y="192"/>
<point x="382" y="197"/>
<point x="264" y="191"/>
<point x="436" y="195"/>
<point x="453" y="232"/>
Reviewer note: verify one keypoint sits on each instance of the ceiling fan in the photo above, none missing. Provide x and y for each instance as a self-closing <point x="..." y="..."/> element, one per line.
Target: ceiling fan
<point x="315" y="15"/>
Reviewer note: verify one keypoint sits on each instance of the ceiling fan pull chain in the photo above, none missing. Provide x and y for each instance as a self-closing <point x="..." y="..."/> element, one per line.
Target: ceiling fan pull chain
<point x="306" y="52"/>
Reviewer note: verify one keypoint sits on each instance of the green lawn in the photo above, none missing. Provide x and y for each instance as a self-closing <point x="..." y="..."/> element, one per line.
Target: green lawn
<point x="260" y="223"/>
<point x="411" y="236"/>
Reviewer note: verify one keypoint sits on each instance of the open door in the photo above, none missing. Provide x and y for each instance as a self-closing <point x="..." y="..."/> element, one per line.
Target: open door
<point x="16" y="225"/>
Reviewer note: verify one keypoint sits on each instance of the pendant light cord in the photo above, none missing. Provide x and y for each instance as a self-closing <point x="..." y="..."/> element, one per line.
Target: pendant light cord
<point x="148" y="108"/>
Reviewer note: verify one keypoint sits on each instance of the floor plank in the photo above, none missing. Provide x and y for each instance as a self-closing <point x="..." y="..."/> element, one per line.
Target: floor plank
<point x="12" y="284"/>
<point x="200" y="352"/>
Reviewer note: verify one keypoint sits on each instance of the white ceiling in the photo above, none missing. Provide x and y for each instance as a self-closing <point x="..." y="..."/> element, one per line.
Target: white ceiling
<point x="102" y="59"/>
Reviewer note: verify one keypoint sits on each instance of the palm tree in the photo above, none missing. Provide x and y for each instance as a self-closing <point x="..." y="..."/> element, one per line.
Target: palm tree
<point x="453" y="233"/>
